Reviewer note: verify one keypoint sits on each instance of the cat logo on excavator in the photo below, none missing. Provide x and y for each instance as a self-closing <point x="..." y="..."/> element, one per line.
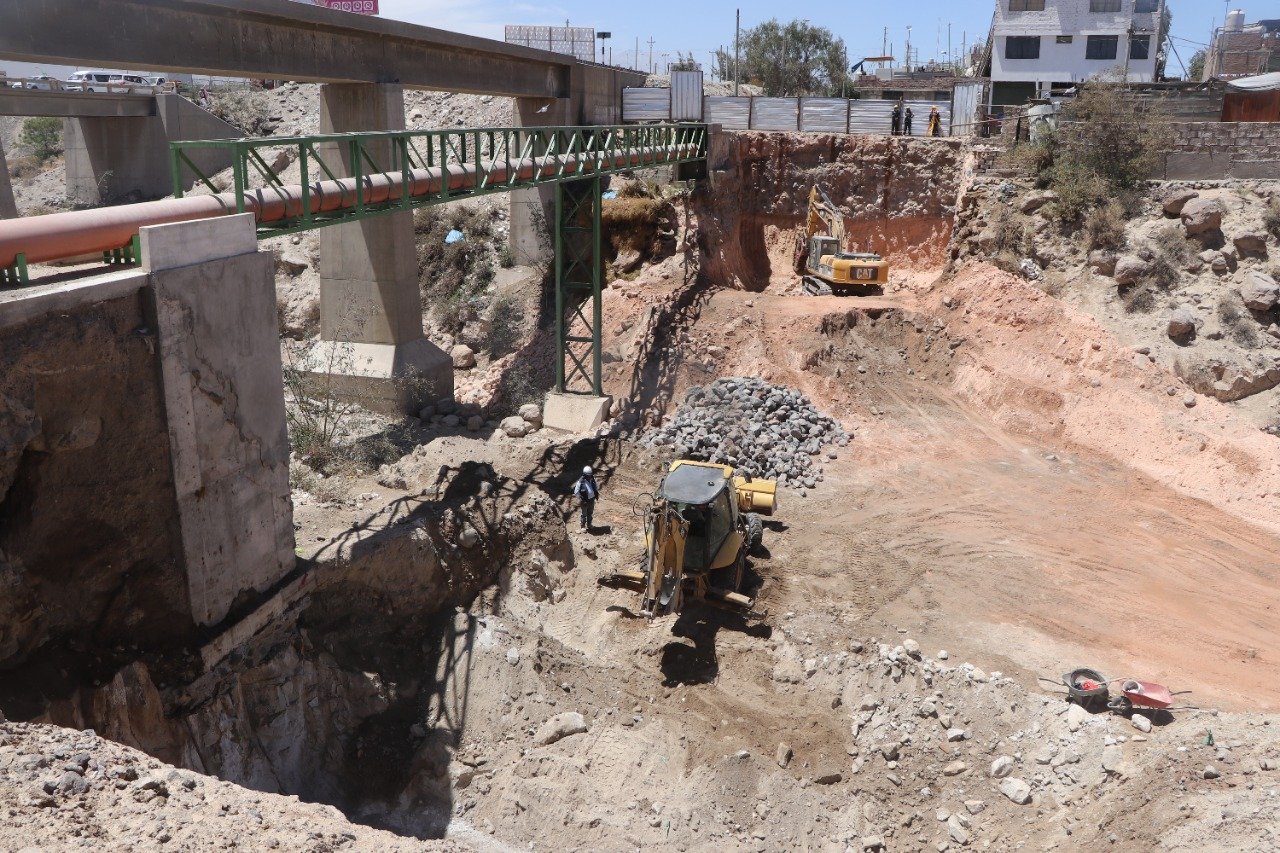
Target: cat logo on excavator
<point x="698" y="530"/>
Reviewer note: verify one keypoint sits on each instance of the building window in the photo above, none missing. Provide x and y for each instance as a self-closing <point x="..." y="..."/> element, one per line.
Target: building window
<point x="1101" y="47"/>
<point x="1104" y="5"/>
<point x="1026" y="5"/>
<point x="1022" y="47"/>
<point x="1064" y="39"/>
<point x="1145" y="5"/>
<point x="1140" y="47"/>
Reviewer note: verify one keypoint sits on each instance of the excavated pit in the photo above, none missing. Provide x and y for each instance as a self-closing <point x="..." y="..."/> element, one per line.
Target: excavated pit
<point x="419" y="684"/>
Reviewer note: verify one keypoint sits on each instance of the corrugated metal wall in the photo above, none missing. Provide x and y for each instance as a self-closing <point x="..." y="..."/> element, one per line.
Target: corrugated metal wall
<point x="686" y="96"/>
<point x="727" y="111"/>
<point x="641" y="104"/>
<point x="816" y="115"/>
<point x="775" y="113"/>
<point x="965" y="99"/>
<point x="830" y="115"/>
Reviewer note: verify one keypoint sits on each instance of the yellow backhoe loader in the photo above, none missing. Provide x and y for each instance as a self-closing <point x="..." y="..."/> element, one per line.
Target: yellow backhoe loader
<point x="822" y="262"/>
<point x="699" y="527"/>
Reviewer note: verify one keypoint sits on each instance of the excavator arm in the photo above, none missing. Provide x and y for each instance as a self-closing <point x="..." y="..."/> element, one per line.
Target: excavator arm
<point x="823" y="219"/>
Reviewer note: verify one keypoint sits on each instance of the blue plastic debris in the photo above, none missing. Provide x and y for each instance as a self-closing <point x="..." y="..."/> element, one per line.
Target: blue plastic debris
<point x="453" y="236"/>
<point x="609" y="194"/>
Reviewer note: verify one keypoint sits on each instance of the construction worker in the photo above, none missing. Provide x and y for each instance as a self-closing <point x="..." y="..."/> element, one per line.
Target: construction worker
<point x="587" y="490"/>
<point x="935" y="122"/>
<point x="896" y="124"/>
<point x="906" y="122"/>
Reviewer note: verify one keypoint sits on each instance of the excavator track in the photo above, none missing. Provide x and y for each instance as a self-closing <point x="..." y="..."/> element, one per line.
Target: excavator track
<point x="816" y="286"/>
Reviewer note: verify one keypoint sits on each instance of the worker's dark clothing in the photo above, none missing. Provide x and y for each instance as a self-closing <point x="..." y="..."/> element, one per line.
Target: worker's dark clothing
<point x="587" y="490"/>
<point x="897" y="121"/>
<point x="906" y="122"/>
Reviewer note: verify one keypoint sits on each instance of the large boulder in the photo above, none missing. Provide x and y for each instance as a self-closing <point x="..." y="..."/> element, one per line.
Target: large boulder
<point x="1102" y="262"/>
<point x="1175" y="200"/>
<point x="560" y="727"/>
<point x="1036" y="200"/>
<point x="1182" y="324"/>
<point x="1259" y="291"/>
<point x="1130" y="269"/>
<point x="1253" y="244"/>
<point x="464" y="358"/>
<point x="515" y="426"/>
<point x="1202" y="218"/>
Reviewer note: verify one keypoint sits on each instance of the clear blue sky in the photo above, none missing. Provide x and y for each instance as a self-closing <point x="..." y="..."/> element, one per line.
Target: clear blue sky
<point x="700" y="27"/>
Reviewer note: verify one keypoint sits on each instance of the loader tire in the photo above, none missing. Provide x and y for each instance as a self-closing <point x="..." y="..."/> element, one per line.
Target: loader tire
<point x="755" y="532"/>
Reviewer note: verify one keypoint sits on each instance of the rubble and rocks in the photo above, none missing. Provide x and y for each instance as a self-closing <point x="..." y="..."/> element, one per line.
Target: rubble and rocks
<point x="1202" y="218"/>
<point x="1259" y="291"/>
<point x="761" y="429"/>
<point x="66" y="789"/>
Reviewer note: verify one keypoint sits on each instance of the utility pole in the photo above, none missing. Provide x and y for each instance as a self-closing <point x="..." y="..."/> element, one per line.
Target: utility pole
<point x="951" y="59"/>
<point x="737" y="30"/>
<point x="636" y="63"/>
<point x="907" y="65"/>
<point x="650" y="54"/>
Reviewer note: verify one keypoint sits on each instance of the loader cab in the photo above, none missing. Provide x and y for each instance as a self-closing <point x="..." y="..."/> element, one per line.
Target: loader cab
<point x="705" y="501"/>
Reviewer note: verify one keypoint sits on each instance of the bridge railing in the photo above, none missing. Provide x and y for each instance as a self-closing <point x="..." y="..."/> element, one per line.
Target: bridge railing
<point x="353" y="175"/>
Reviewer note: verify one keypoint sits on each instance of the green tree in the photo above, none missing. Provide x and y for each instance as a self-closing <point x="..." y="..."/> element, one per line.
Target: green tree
<point x="43" y="136"/>
<point x="1195" y="68"/>
<point x="685" y="62"/>
<point x="791" y="59"/>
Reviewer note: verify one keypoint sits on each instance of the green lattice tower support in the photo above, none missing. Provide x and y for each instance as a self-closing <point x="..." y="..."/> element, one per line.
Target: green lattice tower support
<point x="579" y="278"/>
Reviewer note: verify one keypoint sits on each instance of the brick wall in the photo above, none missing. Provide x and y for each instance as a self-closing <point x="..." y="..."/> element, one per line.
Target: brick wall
<point x="1243" y="140"/>
<point x="1210" y="150"/>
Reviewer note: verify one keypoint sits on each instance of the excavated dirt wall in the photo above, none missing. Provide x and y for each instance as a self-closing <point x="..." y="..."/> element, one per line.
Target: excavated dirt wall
<point x="898" y="195"/>
<point x="88" y="525"/>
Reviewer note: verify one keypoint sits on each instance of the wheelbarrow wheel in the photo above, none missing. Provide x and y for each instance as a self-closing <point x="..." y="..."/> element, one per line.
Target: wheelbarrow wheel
<point x="1121" y="705"/>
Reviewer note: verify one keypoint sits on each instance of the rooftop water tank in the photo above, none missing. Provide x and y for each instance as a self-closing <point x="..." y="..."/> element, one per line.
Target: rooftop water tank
<point x="1235" y="21"/>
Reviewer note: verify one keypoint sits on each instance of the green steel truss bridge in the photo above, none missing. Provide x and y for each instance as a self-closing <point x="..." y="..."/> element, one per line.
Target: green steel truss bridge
<point x="353" y="176"/>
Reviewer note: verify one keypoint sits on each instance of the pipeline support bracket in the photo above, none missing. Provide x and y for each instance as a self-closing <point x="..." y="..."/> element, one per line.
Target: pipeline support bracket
<point x="16" y="275"/>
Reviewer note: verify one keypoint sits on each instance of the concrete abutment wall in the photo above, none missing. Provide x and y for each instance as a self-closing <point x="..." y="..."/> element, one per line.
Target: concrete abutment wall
<point x="110" y="160"/>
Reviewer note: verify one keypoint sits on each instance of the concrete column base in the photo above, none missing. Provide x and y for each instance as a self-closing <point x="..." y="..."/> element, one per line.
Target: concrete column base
<point x="392" y="379"/>
<point x="575" y="412"/>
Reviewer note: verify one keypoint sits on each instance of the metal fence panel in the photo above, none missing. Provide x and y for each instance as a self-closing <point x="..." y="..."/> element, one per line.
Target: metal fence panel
<point x="640" y="104"/>
<point x="686" y="96"/>
<point x="828" y="115"/>
<point x="964" y="109"/>
<point x="870" y="116"/>
<point x="920" y="119"/>
<point x="775" y="113"/>
<point x="727" y="111"/>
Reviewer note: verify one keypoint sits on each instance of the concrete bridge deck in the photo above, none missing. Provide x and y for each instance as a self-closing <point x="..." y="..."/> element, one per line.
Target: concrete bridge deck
<point x="275" y="39"/>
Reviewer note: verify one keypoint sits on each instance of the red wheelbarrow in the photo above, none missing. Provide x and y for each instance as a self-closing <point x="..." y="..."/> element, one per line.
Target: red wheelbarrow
<point x="1143" y="695"/>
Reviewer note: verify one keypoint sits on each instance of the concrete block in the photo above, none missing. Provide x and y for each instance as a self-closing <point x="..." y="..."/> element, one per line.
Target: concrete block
<point x="223" y="394"/>
<point x="394" y="379"/>
<point x="1182" y="165"/>
<point x="185" y="244"/>
<point x="575" y="412"/>
<point x="1256" y="169"/>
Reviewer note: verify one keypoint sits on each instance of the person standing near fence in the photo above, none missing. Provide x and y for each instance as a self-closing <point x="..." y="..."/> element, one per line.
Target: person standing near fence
<point x="896" y="122"/>
<point x="906" y="122"/>
<point x="935" y="122"/>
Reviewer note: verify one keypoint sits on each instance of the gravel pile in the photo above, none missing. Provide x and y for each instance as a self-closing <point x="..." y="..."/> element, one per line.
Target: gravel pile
<point x="761" y="429"/>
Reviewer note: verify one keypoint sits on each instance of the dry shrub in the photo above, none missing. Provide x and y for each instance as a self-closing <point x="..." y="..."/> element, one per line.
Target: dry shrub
<point x="452" y="276"/>
<point x="1104" y="226"/>
<point x="247" y="109"/>
<point x="1235" y="319"/>
<point x="1109" y="142"/>
<point x="1033" y="159"/>
<point x="1271" y="216"/>
<point x="1138" y="300"/>
<point x="632" y="222"/>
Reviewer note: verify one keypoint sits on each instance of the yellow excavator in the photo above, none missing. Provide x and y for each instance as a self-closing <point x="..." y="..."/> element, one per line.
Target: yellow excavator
<point x="699" y="527"/>
<point x="820" y="259"/>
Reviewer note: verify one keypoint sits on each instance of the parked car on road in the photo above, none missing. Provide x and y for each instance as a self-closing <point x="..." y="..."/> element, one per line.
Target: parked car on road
<point x="40" y="82"/>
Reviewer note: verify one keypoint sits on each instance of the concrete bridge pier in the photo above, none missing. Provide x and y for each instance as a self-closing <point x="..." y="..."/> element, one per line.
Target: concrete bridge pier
<point x="371" y="339"/>
<point x="8" y="208"/>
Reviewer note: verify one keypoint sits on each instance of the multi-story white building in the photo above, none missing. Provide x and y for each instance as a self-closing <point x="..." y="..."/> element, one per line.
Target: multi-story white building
<point x="1041" y="45"/>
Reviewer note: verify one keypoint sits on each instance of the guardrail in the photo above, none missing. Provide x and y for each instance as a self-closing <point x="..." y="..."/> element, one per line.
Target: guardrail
<point x="346" y="176"/>
<point x="47" y="84"/>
